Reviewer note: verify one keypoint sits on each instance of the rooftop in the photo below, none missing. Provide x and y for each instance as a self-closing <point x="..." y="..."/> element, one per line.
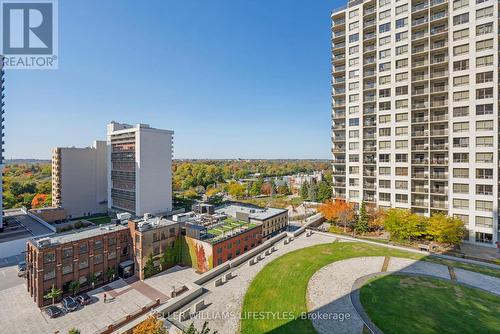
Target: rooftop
<point x="72" y="236"/>
<point x="254" y="212"/>
<point x="150" y="223"/>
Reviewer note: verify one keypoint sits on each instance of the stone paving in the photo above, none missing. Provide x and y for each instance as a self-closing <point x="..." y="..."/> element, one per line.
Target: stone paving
<point x="329" y="289"/>
<point x="225" y="302"/>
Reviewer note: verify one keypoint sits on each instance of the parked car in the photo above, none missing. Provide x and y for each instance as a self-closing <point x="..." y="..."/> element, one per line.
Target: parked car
<point x="53" y="311"/>
<point x="84" y="299"/>
<point x="69" y="304"/>
<point x="21" y="269"/>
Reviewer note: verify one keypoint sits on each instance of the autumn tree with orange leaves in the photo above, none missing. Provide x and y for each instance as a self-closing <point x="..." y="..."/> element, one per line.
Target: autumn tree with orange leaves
<point x="339" y="211"/>
<point x="152" y="325"/>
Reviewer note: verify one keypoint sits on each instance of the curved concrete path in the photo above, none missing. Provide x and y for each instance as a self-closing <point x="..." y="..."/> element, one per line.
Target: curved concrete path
<point x="329" y="290"/>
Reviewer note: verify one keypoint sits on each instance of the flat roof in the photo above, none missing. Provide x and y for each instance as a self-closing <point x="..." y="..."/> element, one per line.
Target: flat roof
<point x="20" y="226"/>
<point x="254" y="212"/>
<point x="153" y="222"/>
<point x="76" y="235"/>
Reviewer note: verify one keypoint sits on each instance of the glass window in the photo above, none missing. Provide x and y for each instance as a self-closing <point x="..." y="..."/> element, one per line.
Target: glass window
<point x="484" y="205"/>
<point x="461" y="19"/>
<point x="484" y="141"/>
<point x="484" y="109"/>
<point x="484" y="77"/>
<point x="483" y="29"/>
<point x="484" y="12"/>
<point x="484" y="125"/>
<point x="384" y="27"/>
<point x="464" y="33"/>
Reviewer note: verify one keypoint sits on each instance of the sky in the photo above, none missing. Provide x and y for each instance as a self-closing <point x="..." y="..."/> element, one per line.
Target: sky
<point x="233" y="78"/>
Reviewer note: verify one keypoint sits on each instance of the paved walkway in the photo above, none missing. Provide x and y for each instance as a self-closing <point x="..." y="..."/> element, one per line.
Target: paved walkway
<point x="329" y="290"/>
<point x="225" y="302"/>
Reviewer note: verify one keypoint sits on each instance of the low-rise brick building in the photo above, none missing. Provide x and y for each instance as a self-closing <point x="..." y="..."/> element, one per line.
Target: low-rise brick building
<point x="82" y="256"/>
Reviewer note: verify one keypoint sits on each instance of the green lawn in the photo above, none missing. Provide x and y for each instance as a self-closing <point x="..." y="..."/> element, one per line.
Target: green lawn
<point x="281" y="286"/>
<point x="407" y="305"/>
<point x="100" y="220"/>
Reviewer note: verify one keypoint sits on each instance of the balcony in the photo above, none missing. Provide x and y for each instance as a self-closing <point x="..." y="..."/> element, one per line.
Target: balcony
<point x="439" y="176"/>
<point x="339" y="115"/>
<point x="368" y="48"/>
<point x="421" y="91"/>
<point x="440" y="190"/>
<point x="338" y="22"/>
<point x="338" y="46"/>
<point x="438" y="89"/>
<point x="439" y="45"/>
<point x="368" y="86"/>
<point x="370" y="186"/>
<point x="369" y="60"/>
<point x="420" y="105"/>
<point x="419" y="35"/>
<point x="439" y="60"/>
<point x="420" y="203"/>
<point x="439" y="147"/>
<point x="369" y="10"/>
<point x="420" y="77"/>
<point x="338" y="34"/>
<point x="369" y="36"/>
<point x="369" y="173"/>
<point x="440" y="132"/>
<point x="420" y="161"/>
<point x="339" y="172"/>
<point x="339" y="91"/>
<point x="419" y="63"/>
<point x="439" y="74"/>
<point x="439" y="103"/>
<point x="369" y="23"/>
<point x="369" y="73"/>
<point x="339" y="184"/>
<point x="439" y="30"/>
<point x="369" y="98"/>
<point x="420" y="133"/>
<point x="339" y="161"/>
<point x="338" y="57"/>
<point x="369" y="111"/>
<point x="369" y="123"/>
<point x="338" y="149"/>
<point x="419" y="7"/>
<point x="337" y="69"/>
<point x="439" y="15"/>
<point x="419" y="49"/>
<point x="339" y="80"/>
<point x="370" y="161"/>
<point x="419" y="21"/>
<point x="438" y="118"/>
<point x="420" y="147"/>
<point x="439" y="205"/>
<point x="420" y="189"/>
<point x="438" y="2"/>
<point x="439" y="161"/>
<point x="338" y="127"/>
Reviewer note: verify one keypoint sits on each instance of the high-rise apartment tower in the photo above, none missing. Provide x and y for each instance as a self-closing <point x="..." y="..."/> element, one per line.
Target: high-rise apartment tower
<point x="415" y="108"/>
<point x="139" y="169"/>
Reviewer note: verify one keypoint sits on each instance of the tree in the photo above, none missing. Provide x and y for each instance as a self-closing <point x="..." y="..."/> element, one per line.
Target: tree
<point x="324" y="192"/>
<point x="204" y="329"/>
<point x="53" y="294"/>
<point x="312" y="193"/>
<point x="236" y="190"/>
<point x="149" y="267"/>
<point x="283" y="190"/>
<point x="74" y="287"/>
<point x="74" y="331"/>
<point x="152" y="325"/>
<point x="361" y="225"/>
<point x="377" y="217"/>
<point x="339" y="211"/>
<point x="92" y="278"/>
<point x="256" y="187"/>
<point x="445" y="229"/>
<point x="267" y="189"/>
<point x="404" y="225"/>
<point x="304" y="190"/>
<point x="110" y="273"/>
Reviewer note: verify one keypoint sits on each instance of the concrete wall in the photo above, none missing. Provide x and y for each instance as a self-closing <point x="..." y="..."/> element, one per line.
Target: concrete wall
<point x="154" y="171"/>
<point x="83" y="179"/>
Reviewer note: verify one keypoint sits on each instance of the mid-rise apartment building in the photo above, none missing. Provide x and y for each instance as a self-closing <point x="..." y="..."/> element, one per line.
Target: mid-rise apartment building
<point x="415" y="108"/>
<point x="2" y="126"/>
<point x="140" y="169"/>
<point x="79" y="179"/>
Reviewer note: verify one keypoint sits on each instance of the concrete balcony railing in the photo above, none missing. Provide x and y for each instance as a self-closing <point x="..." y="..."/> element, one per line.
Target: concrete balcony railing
<point x="420" y="161"/>
<point x="420" y="189"/>
<point x="439" y="205"/>
<point x="443" y="132"/>
<point x="421" y="147"/>
<point x="419" y="7"/>
<point x="439" y="176"/>
<point x="436" y="118"/>
<point x="440" y="190"/>
<point x="420" y="203"/>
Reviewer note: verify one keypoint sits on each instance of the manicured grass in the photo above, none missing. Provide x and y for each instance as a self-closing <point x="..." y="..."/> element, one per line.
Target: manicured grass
<point x="467" y="266"/>
<point x="281" y="285"/>
<point x="412" y="305"/>
<point x="100" y="220"/>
